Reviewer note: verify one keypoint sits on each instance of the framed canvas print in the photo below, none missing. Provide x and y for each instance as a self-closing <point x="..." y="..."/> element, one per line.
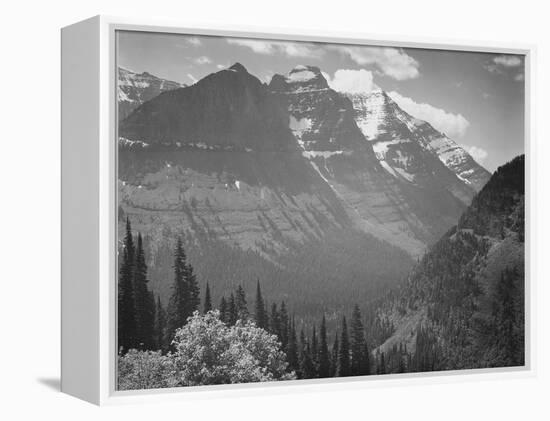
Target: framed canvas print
<point x="243" y="211"/>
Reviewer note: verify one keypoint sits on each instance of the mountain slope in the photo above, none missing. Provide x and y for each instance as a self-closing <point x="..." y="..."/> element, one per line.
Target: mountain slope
<point x="136" y="88"/>
<point x="463" y="305"/>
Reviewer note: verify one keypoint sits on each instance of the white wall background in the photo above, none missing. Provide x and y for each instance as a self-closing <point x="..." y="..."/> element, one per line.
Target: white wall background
<point x="29" y="186"/>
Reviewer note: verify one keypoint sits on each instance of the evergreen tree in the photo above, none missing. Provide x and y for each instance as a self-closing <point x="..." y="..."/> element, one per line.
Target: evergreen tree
<point x="224" y="311"/>
<point x="334" y="356"/>
<point x="306" y="364"/>
<point x="343" y="357"/>
<point x="382" y="365"/>
<point x="160" y="326"/>
<point x="127" y="329"/>
<point x="357" y="344"/>
<point x="144" y="304"/>
<point x="232" y="313"/>
<point x="274" y="321"/>
<point x="314" y="352"/>
<point x="241" y="304"/>
<point x="324" y="358"/>
<point x="193" y="291"/>
<point x="292" y="348"/>
<point x="178" y="307"/>
<point x="259" y="309"/>
<point x="365" y="364"/>
<point x="283" y="325"/>
<point x="207" y="300"/>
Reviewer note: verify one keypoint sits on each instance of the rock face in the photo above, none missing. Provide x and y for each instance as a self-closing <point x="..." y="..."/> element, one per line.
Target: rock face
<point x="136" y="88"/>
<point x="279" y="183"/>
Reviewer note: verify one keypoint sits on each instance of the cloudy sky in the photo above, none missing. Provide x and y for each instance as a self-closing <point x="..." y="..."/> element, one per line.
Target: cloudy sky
<point x="477" y="99"/>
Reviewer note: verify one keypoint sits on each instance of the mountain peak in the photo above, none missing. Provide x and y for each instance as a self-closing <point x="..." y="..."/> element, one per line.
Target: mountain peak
<point x="300" y="78"/>
<point x="238" y="67"/>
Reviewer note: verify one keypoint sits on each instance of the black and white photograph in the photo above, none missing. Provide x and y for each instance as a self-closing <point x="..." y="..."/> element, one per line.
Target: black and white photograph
<point x="291" y="210"/>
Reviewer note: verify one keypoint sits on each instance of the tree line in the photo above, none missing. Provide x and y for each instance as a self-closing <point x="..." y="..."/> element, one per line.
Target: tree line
<point x="144" y="324"/>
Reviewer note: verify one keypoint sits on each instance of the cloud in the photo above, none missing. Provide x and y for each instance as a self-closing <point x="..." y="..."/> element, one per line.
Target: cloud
<point x="351" y="81"/>
<point x="479" y="154"/>
<point x="392" y="62"/>
<point x="506" y="65"/>
<point x="290" y="49"/>
<point x="202" y="60"/>
<point x="193" y="78"/>
<point x="507" y="60"/>
<point x="194" y="41"/>
<point x="453" y="125"/>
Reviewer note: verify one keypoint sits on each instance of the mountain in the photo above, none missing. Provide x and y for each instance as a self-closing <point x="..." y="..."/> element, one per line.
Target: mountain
<point x="401" y="179"/>
<point x="280" y="183"/>
<point x="406" y="146"/>
<point x="463" y="304"/>
<point x="136" y="88"/>
<point x="218" y="164"/>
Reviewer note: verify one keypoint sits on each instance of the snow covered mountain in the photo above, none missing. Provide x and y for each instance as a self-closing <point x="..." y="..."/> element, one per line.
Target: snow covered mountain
<point x="398" y="139"/>
<point x="136" y="88"/>
<point x="403" y="181"/>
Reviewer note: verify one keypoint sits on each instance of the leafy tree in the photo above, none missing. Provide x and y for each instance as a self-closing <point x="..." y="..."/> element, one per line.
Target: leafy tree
<point x="145" y="370"/>
<point x="344" y="357"/>
<point x="324" y="358"/>
<point x="209" y="352"/>
<point x="127" y="329"/>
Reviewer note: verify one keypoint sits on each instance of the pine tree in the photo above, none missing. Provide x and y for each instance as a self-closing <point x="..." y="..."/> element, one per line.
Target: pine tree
<point x="144" y="304"/>
<point x="292" y="348"/>
<point x="382" y="365"/>
<point x="314" y="352"/>
<point x="274" y="321"/>
<point x="127" y="334"/>
<point x="343" y="357"/>
<point x="207" y="300"/>
<point x="160" y="326"/>
<point x="193" y="291"/>
<point x="283" y="325"/>
<point x="233" y="315"/>
<point x="334" y="356"/>
<point x="324" y="358"/>
<point x="178" y="307"/>
<point x="306" y="364"/>
<point x="259" y="309"/>
<point x="224" y="311"/>
<point x="357" y="344"/>
<point x="241" y="304"/>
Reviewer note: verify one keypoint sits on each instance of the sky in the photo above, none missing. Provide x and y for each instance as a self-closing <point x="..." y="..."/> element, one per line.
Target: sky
<point x="477" y="99"/>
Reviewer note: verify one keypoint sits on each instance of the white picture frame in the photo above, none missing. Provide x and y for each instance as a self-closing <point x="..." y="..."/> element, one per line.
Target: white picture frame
<point x="89" y="212"/>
